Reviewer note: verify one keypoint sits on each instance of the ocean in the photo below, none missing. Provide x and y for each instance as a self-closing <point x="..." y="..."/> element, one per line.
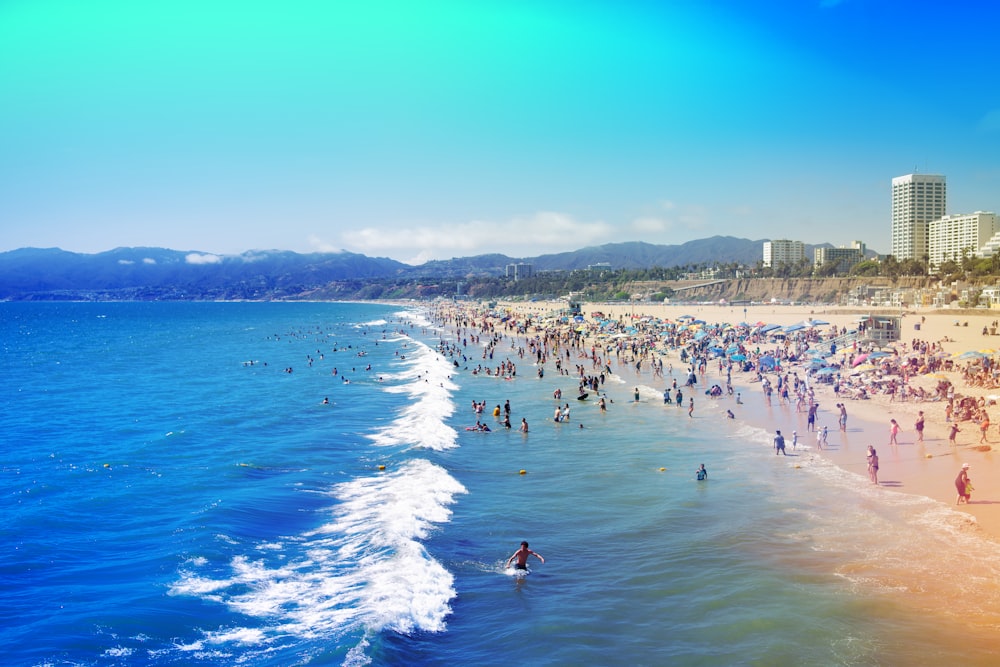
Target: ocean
<point x="294" y="484"/>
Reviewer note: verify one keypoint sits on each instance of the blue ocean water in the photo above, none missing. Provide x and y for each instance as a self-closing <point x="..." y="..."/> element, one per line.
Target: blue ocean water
<point x="294" y="484"/>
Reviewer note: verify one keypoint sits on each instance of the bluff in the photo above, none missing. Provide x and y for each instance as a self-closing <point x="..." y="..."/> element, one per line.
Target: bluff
<point x="820" y="290"/>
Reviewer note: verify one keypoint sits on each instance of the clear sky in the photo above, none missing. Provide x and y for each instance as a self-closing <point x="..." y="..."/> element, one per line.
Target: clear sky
<point x="434" y="129"/>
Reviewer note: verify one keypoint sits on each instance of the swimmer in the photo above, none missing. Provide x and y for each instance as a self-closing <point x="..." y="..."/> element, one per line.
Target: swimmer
<point x="521" y="556"/>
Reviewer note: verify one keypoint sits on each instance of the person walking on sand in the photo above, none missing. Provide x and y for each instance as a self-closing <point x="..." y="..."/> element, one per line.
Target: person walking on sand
<point x="963" y="485"/>
<point x="521" y="556"/>
<point x="779" y="444"/>
<point x="893" y="431"/>
<point x="843" y="416"/>
<point x="984" y="426"/>
<point x="872" y="465"/>
<point x="953" y="433"/>
<point x="918" y="426"/>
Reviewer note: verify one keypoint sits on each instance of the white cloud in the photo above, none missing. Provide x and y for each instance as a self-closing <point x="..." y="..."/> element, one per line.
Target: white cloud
<point x="320" y="245"/>
<point x="148" y="260"/>
<point x="536" y="234"/>
<point x="126" y="262"/>
<point x="199" y="258"/>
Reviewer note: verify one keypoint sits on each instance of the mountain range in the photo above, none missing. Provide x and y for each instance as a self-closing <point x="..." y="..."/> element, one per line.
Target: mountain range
<point x="158" y="273"/>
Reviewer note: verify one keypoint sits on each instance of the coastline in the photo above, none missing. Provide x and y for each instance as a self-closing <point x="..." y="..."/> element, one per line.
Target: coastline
<point x="927" y="469"/>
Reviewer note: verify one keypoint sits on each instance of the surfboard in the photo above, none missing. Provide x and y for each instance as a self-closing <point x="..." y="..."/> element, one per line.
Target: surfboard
<point x="583" y="396"/>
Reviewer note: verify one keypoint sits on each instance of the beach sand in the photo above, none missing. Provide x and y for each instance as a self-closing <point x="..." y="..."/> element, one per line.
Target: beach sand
<point x="928" y="468"/>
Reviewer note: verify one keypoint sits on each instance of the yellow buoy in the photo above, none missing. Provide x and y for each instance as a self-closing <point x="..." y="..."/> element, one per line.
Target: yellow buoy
<point x="523" y="472"/>
<point x="930" y="456"/>
<point x="107" y="465"/>
<point x="662" y="469"/>
<point x="381" y="467"/>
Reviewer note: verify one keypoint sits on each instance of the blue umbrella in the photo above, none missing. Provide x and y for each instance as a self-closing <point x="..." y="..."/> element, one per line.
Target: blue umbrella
<point x="826" y="371"/>
<point x="739" y="357"/>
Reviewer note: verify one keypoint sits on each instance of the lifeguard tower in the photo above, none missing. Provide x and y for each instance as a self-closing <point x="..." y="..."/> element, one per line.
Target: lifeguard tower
<point x="879" y="330"/>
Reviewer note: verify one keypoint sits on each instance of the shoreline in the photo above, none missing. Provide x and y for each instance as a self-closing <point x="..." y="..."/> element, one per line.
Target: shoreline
<point x="926" y="469"/>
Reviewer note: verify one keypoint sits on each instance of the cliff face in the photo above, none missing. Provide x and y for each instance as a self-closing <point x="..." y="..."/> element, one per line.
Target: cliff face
<point x="821" y="290"/>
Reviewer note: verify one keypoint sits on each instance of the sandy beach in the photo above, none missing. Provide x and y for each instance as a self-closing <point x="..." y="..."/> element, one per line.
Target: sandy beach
<point x="926" y="468"/>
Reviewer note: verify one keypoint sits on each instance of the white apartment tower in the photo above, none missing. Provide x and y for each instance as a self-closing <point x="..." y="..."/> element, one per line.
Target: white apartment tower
<point x="917" y="199"/>
<point x="783" y="252"/>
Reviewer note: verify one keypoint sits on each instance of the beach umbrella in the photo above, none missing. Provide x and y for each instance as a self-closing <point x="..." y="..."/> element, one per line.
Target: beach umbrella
<point x="863" y="368"/>
<point x="826" y="371"/>
<point x="794" y="327"/>
<point x="816" y="323"/>
<point x="739" y="357"/>
<point x="878" y="355"/>
<point x="971" y="354"/>
<point x="860" y="359"/>
<point x="769" y="327"/>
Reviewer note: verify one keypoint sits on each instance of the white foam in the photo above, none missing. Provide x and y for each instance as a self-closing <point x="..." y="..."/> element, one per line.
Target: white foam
<point x="423" y="422"/>
<point x="365" y="571"/>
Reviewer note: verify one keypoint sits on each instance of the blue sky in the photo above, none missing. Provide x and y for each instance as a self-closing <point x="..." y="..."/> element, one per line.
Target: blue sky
<point x="430" y="130"/>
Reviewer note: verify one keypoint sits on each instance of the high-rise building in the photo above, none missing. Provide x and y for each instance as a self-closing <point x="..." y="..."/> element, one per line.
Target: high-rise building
<point x="954" y="237"/>
<point x="917" y="199"/>
<point x="783" y="251"/>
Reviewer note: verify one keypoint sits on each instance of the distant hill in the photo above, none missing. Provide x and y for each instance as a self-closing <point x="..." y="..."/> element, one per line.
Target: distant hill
<point x="639" y="255"/>
<point x="158" y="273"/>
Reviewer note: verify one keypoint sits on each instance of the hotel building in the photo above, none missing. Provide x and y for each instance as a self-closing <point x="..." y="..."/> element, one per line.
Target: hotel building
<point x="917" y="199"/>
<point x="955" y="236"/>
<point x="783" y="252"/>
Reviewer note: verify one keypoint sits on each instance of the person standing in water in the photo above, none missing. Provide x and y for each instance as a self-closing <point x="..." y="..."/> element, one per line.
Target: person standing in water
<point x="521" y="556"/>
<point x="872" y="465"/>
<point x="962" y="484"/>
<point x="779" y="444"/>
